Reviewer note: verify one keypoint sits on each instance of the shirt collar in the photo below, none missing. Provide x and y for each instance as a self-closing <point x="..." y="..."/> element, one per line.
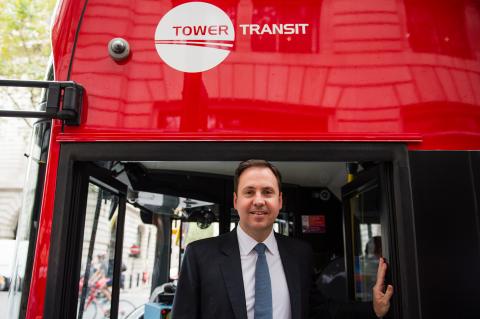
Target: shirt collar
<point x="247" y="243"/>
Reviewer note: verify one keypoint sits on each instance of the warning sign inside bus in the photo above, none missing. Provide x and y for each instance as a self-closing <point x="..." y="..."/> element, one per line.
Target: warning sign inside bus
<point x="313" y="224"/>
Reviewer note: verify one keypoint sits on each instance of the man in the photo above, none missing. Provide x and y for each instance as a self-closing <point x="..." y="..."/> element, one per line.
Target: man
<point x="253" y="273"/>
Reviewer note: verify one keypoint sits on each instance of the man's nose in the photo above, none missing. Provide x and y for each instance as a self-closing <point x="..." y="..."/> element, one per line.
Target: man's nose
<point x="259" y="200"/>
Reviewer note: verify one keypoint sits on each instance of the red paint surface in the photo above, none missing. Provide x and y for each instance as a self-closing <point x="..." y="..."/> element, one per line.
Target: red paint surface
<point x="368" y="71"/>
<point x="373" y="68"/>
<point x="36" y="299"/>
<point x="65" y="25"/>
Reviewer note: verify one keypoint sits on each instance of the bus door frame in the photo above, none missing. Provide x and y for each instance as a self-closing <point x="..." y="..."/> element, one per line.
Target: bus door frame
<point x="394" y="153"/>
<point x="67" y="240"/>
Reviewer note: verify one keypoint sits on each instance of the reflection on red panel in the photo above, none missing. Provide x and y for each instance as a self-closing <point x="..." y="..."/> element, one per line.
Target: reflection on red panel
<point x="438" y="27"/>
<point x="379" y="68"/>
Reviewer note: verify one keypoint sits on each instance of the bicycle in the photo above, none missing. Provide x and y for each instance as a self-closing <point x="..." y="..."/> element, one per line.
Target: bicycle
<point x="97" y="304"/>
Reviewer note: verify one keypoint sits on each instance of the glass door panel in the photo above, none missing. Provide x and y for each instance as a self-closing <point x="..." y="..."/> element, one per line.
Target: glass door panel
<point x="366" y="241"/>
<point x="100" y="244"/>
<point x="98" y="254"/>
<point x="369" y="232"/>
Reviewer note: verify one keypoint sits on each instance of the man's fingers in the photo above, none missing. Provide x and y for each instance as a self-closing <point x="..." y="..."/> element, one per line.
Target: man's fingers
<point x="388" y="293"/>
<point x="382" y="269"/>
<point x="381" y="304"/>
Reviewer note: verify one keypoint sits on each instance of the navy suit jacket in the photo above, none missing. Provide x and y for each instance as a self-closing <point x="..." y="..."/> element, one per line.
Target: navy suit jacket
<point x="211" y="283"/>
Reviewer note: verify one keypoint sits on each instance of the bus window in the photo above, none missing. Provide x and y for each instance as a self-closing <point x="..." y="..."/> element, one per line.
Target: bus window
<point x="138" y="260"/>
<point x="190" y="232"/>
<point x="98" y="255"/>
<point x="197" y="223"/>
<point x="367" y="242"/>
<point x="367" y="226"/>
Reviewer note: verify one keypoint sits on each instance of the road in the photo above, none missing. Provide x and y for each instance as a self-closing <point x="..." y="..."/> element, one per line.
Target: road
<point x="137" y="297"/>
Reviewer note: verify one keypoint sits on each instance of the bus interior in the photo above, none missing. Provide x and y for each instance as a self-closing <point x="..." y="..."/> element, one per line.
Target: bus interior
<point x="341" y="208"/>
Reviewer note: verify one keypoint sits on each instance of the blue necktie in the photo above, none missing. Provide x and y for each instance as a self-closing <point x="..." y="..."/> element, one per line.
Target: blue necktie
<point x="263" y="287"/>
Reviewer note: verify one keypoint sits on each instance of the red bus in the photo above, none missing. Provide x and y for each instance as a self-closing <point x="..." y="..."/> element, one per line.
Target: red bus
<point x="370" y="109"/>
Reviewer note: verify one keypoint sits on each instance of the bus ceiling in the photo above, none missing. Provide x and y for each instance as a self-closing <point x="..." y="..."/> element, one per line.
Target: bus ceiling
<point x="159" y="187"/>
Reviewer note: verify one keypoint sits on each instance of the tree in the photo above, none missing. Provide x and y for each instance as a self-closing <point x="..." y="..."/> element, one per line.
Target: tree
<point x="24" y="47"/>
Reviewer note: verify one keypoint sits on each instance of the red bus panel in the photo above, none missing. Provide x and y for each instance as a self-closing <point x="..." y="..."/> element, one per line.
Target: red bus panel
<point x="311" y="70"/>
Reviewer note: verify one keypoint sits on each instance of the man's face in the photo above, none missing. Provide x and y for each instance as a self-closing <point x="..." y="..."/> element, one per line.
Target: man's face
<point x="258" y="199"/>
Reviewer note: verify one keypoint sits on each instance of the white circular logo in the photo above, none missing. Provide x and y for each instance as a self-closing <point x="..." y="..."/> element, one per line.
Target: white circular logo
<point x="194" y="37"/>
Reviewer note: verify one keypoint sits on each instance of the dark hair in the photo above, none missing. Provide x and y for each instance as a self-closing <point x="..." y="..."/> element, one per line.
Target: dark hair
<point x="256" y="163"/>
<point x="374" y="246"/>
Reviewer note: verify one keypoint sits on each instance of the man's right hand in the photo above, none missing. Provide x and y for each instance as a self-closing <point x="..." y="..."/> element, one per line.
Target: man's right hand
<point x="381" y="300"/>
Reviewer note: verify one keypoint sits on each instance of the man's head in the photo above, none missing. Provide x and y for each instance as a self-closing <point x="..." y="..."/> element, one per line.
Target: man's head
<point x="256" y="163"/>
<point x="257" y="197"/>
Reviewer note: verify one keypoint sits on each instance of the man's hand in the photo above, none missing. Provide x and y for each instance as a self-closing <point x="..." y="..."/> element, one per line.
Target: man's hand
<point x="381" y="300"/>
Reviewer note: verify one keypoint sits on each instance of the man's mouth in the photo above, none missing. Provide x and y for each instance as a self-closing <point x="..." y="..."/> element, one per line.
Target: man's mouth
<point x="258" y="212"/>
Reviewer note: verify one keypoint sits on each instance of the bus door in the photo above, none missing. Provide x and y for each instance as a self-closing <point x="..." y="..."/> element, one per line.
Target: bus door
<point x="369" y="231"/>
<point x="101" y="258"/>
<point x="93" y="249"/>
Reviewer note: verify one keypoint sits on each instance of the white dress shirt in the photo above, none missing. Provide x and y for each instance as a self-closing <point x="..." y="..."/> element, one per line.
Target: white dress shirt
<point x="248" y="257"/>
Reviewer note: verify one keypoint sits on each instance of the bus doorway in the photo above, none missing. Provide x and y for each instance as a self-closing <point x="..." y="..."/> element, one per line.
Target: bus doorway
<point x="173" y="201"/>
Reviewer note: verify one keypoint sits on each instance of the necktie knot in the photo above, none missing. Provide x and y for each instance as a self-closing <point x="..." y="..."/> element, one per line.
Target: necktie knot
<point x="260" y="248"/>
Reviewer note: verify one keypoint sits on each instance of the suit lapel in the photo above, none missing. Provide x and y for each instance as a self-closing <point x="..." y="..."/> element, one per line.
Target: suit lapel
<point x="292" y="276"/>
<point x="231" y="269"/>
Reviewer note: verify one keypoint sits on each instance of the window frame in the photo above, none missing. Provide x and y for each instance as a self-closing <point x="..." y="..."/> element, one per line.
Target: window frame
<point x="68" y="240"/>
<point x="377" y="177"/>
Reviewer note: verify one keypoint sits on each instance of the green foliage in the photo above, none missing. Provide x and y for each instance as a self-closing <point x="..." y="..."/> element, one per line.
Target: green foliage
<point x="24" y="48"/>
<point x="25" y="38"/>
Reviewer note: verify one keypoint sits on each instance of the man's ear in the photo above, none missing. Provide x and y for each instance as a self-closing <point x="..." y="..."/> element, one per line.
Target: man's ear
<point x="280" y="198"/>
<point x="235" y="200"/>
